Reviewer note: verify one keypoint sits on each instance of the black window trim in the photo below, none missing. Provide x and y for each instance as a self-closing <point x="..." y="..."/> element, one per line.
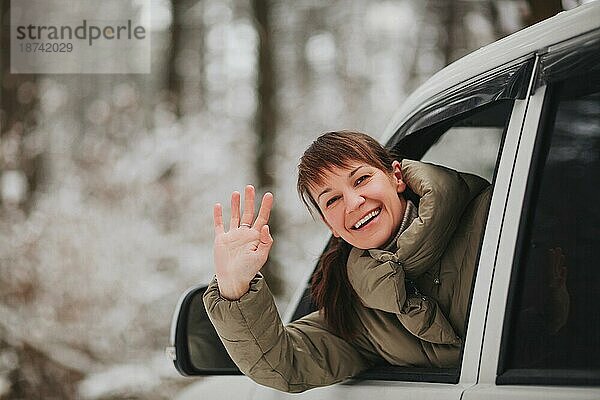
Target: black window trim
<point x="572" y="57"/>
<point x="509" y="81"/>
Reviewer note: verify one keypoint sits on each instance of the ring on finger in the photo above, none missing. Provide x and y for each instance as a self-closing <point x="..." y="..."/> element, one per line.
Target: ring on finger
<point x="246" y="225"/>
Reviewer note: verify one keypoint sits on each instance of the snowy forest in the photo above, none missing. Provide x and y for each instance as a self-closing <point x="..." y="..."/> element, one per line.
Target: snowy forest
<point x="107" y="181"/>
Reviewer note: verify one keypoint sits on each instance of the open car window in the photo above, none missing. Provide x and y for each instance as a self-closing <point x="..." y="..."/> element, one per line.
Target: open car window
<point x="472" y="144"/>
<point x="481" y="130"/>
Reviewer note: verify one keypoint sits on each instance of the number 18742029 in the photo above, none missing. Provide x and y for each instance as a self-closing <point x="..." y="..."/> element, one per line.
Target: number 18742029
<point x="45" y="47"/>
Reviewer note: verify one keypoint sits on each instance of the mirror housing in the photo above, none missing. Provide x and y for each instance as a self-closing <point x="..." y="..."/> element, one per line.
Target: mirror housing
<point x="195" y="347"/>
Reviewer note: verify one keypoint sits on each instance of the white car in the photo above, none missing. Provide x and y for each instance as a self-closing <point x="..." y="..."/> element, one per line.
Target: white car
<point x="524" y="113"/>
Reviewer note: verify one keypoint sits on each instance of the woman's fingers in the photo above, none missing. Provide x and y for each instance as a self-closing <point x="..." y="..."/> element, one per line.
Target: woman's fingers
<point x="235" y="211"/>
<point x="265" y="211"/>
<point x="248" y="215"/>
<point x="218" y="218"/>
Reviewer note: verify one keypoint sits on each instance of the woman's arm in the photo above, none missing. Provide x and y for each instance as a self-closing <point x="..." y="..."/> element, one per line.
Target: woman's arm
<point x="294" y="358"/>
<point x="300" y="356"/>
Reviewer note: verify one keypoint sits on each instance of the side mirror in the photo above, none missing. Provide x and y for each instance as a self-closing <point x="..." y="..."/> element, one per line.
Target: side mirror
<point x="195" y="347"/>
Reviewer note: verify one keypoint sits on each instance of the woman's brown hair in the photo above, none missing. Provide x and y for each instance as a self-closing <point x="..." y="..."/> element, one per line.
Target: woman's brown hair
<point x="330" y="287"/>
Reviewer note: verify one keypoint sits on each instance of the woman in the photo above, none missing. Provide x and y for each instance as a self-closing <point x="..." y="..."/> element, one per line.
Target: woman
<point x="393" y="287"/>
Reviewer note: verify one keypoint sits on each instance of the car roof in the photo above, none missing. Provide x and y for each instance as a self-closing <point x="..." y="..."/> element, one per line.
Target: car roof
<point x="561" y="27"/>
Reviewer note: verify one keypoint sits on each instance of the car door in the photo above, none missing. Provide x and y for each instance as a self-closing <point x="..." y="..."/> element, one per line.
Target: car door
<point x="542" y="330"/>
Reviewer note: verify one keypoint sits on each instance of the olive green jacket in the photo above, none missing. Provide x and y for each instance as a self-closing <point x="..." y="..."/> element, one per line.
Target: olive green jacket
<point x="437" y="252"/>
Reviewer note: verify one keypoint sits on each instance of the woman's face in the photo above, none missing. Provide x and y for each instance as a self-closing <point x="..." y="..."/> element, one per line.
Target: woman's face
<point x="361" y="204"/>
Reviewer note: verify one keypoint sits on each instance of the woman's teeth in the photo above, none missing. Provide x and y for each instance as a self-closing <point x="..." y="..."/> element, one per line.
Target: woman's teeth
<point x="367" y="218"/>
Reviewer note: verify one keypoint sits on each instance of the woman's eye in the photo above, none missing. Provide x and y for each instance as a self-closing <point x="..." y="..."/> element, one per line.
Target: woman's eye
<point x="361" y="179"/>
<point x="331" y="201"/>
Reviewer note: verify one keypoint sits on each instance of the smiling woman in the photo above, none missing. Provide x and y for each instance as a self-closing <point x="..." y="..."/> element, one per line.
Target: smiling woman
<point x="394" y="286"/>
<point x="359" y="202"/>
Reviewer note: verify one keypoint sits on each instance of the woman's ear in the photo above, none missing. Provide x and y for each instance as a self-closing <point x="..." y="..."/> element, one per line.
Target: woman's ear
<point x="398" y="180"/>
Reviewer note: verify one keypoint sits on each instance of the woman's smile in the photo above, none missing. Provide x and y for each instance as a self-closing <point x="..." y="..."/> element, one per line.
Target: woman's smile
<point x="366" y="220"/>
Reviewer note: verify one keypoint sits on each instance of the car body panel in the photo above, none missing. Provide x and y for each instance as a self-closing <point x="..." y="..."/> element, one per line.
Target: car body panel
<point x="493" y="392"/>
<point x="360" y="390"/>
<point x="220" y="387"/>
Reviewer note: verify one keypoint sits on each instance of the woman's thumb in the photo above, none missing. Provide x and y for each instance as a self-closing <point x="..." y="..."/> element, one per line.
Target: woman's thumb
<point x="265" y="235"/>
<point x="266" y="240"/>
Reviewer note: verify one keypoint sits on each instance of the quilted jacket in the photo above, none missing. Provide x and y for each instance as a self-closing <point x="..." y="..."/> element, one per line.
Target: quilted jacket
<point x="437" y="255"/>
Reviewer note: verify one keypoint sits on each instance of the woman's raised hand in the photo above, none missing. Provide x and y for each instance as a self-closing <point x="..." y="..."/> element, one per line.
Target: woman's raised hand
<point x="242" y="251"/>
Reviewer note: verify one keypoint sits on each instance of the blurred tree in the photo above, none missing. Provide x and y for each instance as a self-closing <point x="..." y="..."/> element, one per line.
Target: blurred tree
<point x="35" y="375"/>
<point x="457" y="27"/>
<point x="442" y="38"/>
<point x="494" y="16"/>
<point x="195" y="81"/>
<point x="185" y="57"/>
<point x="450" y="16"/>
<point x="540" y="10"/>
<point x="173" y="77"/>
<point x="266" y="117"/>
<point x="20" y="169"/>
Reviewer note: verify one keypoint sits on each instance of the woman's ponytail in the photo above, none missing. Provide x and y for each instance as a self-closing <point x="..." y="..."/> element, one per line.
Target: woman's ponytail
<point x="332" y="292"/>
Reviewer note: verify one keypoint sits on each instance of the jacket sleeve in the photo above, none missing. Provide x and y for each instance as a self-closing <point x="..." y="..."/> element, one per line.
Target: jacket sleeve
<point x="302" y="355"/>
<point x="382" y="286"/>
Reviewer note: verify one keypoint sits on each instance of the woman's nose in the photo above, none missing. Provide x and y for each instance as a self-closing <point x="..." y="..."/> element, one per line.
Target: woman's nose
<point x="354" y="200"/>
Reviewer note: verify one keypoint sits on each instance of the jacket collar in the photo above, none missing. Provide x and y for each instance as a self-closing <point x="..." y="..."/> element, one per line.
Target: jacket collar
<point x="444" y="195"/>
<point x="410" y="213"/>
